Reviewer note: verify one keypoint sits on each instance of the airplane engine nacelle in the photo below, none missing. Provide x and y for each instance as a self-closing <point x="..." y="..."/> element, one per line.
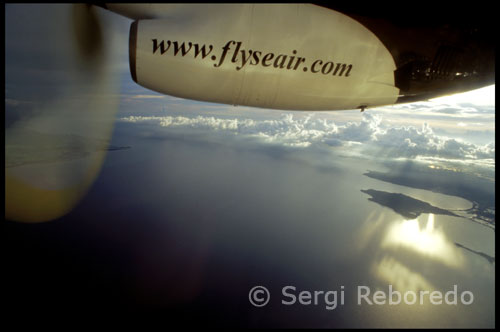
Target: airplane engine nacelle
<point x="294" y="57"/>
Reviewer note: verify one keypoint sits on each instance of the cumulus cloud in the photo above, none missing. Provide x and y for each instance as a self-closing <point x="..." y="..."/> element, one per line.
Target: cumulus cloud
<point x="411" y="142"/>
<point x="286" y="131"/>
<point x="369" y="135"/>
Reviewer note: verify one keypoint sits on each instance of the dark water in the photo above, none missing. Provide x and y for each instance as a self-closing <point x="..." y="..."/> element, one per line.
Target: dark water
<point x="178" y="230"/>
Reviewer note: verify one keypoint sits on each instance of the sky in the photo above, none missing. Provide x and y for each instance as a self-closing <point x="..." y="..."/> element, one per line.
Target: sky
<point x="191" y="204"/>
<point x="454" y="131"/>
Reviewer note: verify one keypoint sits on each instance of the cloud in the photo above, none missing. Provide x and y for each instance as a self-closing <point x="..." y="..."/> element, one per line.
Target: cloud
<point x="147" y="97"/>
<point x="411" y="142"/>
<point x="474" y="111"/>
<point x="368" y="136"/>
<point x="286" y="131"/>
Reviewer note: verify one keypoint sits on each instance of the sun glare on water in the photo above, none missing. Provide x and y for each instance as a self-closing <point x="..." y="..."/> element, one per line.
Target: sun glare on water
<point x="428" y="241"/>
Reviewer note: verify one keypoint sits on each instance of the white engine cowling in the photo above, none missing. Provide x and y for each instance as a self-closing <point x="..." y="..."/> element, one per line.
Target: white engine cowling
<point x="291" y="57"/>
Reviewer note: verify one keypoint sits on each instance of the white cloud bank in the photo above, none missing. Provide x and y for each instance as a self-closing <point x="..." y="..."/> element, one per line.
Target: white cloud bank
<point x="367" y="136"/>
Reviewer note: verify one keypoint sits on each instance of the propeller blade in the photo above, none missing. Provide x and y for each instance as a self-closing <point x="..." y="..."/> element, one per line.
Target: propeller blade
<point x="62" y="83"/>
